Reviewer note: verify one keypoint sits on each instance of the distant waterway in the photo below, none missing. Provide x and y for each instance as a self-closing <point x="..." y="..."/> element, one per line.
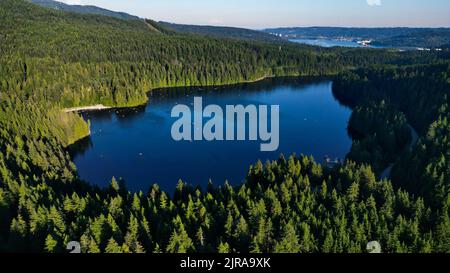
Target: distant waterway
<point x="332" y="43"/>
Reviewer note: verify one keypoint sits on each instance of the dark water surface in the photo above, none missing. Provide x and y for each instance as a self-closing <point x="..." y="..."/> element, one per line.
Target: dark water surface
<point x="136" y="144"/>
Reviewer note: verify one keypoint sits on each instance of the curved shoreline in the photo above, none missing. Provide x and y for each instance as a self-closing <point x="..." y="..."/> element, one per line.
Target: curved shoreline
<point x="86" y="108"/>
<point x="98" y="107"/>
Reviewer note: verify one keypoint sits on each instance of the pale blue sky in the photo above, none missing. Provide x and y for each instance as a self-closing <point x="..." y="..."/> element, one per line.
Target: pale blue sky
<point x="281" y="13"/>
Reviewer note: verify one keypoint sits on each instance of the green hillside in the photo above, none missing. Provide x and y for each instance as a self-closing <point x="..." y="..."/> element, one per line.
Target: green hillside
<point x="53" y="59"/>
<point x="83" y="9"/>
<point x="224" y="32"/>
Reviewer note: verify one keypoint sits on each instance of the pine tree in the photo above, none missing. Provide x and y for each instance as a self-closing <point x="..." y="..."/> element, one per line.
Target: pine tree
<point x="179" y="240"/>
<point x="289" y="242"/>
<point x="223" y="248"/>
<point x="113" y="247"/>
<point x="50" y="244"/>
<point x="115" y="185"/>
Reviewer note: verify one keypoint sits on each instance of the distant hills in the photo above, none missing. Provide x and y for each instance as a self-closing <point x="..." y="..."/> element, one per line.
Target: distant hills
<point x="341" y="32"/>
<point x="395" y="37"/>
<point x="389" y="37"/>
<point x="84" y="9"/>
<point x="224" y="32"/>
<point x="211" y="31"/>
<point x="428" y="38"/>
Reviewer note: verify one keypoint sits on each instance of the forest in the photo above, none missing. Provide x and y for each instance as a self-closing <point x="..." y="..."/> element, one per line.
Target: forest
<point x="85" y="9"/>
<point x="225" y="32"/>
<point x="52" y="59"/>
<point x="418" y="95"/>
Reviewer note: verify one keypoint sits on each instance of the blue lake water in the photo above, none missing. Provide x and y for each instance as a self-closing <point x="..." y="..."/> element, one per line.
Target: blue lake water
<point x="330" y="43"/>
<point x="136" y="144"/>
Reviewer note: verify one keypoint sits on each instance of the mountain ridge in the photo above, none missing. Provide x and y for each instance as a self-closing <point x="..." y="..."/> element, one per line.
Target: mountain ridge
<point x="88" y="9"/>
<point x="223" y="32"/>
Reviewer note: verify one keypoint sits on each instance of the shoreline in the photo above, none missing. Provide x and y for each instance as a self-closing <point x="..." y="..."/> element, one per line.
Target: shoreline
<point x="99" y="107"/>
<point x="86" y="108"/>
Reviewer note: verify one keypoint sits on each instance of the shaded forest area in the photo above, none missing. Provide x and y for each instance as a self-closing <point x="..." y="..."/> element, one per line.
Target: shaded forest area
<point x="416" y="96"/>
<point x="51" y="59"/>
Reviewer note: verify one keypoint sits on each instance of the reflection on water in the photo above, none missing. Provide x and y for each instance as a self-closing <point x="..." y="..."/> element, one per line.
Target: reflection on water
<point x="136" y="143"/>
<point x="80" y="147"/>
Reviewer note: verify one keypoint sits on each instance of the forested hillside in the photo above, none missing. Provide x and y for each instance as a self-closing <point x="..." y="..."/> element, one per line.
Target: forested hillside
<point x="50" y="60"/>
<point x="225" y="32"/>
<point x="57" y="5"/>
<point x="428" y="38"/>
<point x="75" y="59"/>
<point x="415" y="95"/>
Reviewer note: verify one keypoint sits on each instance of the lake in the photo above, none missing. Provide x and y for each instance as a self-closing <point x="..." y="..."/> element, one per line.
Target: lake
<point x="331" y="43"/>
<point x="136" y="144"/>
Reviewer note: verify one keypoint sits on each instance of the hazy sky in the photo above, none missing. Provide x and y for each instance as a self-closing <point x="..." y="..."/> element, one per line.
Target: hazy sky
<point x="278" y="13"/>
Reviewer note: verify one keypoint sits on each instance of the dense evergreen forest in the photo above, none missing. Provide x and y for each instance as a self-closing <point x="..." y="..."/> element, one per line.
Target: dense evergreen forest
<point x="418" y="95"/>
<point x="74" y="59"/>
<point x="58" y="5"/>
<point x="52" y="59"/>
<point x="225" y="32"/>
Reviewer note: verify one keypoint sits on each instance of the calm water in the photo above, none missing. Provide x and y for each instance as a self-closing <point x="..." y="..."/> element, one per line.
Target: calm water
<point x="136" y="144"/>
<point x="330" y="43"/>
